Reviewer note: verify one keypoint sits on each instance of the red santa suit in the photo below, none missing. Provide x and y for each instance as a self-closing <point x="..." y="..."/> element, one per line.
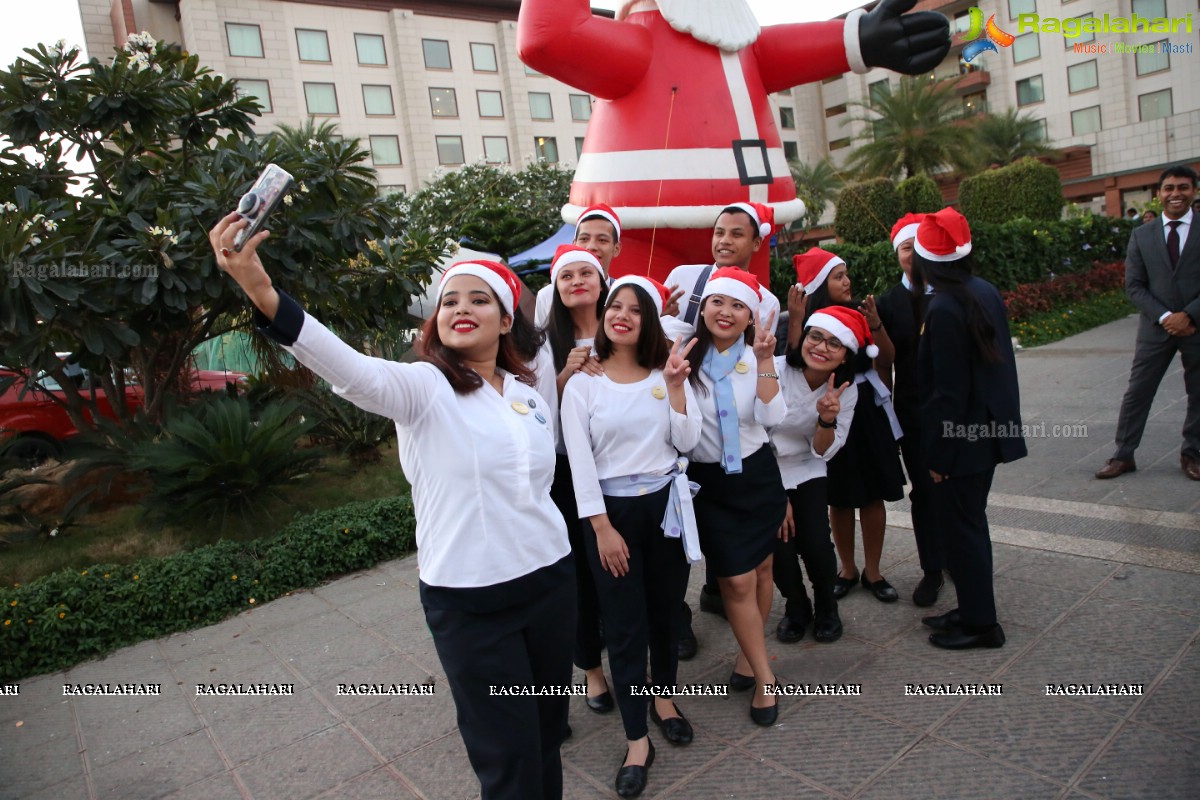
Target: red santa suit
<point x="682" y="126"/>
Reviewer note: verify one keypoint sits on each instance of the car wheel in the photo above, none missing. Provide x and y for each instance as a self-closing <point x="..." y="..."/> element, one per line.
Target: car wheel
<point x="32" y="450"/>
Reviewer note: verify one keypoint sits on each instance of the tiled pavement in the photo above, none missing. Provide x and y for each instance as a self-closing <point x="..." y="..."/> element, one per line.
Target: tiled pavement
<point x="1097" y="582"/>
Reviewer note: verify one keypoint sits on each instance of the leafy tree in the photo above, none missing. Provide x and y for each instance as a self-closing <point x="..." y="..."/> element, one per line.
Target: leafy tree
<point x="113" y="264"/>
<point x="817" y="185"/>
<point x="866" y="211"/>
<point x="1004" y="138"/>
<point x="911" y="131"/>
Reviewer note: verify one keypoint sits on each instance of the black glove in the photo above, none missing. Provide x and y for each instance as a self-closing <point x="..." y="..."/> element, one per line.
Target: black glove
<point x="909" y="43"/>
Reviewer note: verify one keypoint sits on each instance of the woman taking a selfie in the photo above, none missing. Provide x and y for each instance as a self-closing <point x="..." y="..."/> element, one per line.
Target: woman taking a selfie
<point x="497" y="581"/>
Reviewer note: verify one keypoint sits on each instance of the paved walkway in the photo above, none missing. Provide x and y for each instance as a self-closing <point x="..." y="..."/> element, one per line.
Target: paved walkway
<point x="1097" y="582"/>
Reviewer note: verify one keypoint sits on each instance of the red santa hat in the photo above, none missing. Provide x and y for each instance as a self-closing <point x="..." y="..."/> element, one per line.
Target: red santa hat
<point x="658" y="293"/>
<point x="602" y="211"/>
<point x="763" y="216"/>
<point x="499" y="278"/>
<point x="944" y="236"/>
<point x="846" y="325"/>
<point x="905" y="229"/>
<point x="736" y="283"/>
<point x="571" y="254"/>
<point x="813" y="267"/>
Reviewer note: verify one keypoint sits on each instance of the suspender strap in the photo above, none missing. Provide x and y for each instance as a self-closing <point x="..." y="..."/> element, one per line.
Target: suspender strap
<point x="689" y="316"/>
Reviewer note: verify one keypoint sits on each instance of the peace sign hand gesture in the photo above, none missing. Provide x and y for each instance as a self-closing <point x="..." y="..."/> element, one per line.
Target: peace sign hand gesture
<point x="871" y="312"/>
<point x="677" y="368"/>
<point x="764" y="340"/>
<point x="830" y="403"/>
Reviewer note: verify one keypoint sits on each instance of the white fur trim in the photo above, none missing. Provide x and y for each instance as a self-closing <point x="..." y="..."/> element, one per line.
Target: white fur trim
<point x="488" y="276"/>
<point x="816" y="282"/>
<point x="959" y="252"/>
<point x="727" y="24"/>
<point x="647" y="217"/>
<point x="592" y="213"/>
<point x="574" y="257"/>
<point x="644" y="283"/>
<point x="872" y="351"/>
<point x="735" y="289"/>
<point x="764" y="228"/>
<point x="851" y="42"/>
<point x="837" y="329"/>
<point x="906" y="233"/>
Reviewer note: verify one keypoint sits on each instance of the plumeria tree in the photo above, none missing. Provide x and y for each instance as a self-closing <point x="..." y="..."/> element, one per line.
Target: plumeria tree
<point x="108" y="259"/>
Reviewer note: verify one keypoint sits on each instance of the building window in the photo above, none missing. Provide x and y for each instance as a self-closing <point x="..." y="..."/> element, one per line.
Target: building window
<point x="839" y="144"/>
<point x="495" y="150"/>
<point x="443" y="102"/>
<point x="878" y="90"/>
<point x="258" y="90"/>
<point x="787" y="118"/>
<point x="1081" y="77"/>
<point x="385" y="150"/>
<point x="1085" y="120"/>
<point x="377" y="101"/>
<point x="1149" y="63"/>
<point x="437" y="53"/>
<point x="1043" y="133"/>
<point x="244" y="40"/>
<point x="539" y="106"/>
<point x="450" y="150"/>
<point x="1026" y="48"/>
<point x="483" y="57"/>
<point x="532" y="72"/>
<point x="389" y="189"/>
<point x="370" y="49"/>
<point x="1029" y="90"/>
<point x="1018" y="7"/>
<point x="1151" y="9"/>
<point x="975" y="104"/>
<point x="321" y="98"/>
<point x="578" y="147"/>
<point x="833" y="111"/>
<point x="791" y="151"/>
<point x="312" y="45"/>
<point x="962" y="22"/>
<point x="1084" y="36"/>
<point x="1155" y="105"/>
<point x="491" y="104"/>
<point x="581" y="107"/>
<point x="546" y="148"/>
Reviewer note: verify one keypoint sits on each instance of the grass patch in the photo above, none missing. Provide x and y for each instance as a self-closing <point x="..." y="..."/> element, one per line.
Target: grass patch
<point x="1070" y="319"/>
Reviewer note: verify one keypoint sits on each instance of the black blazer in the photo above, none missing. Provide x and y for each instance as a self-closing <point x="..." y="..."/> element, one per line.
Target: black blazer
<point x="1153" y="286"/>
<point x="902" y="319"/>
<point x="970" y="411"/>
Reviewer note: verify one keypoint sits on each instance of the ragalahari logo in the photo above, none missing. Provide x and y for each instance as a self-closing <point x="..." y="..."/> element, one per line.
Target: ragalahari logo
<point x="991" y="32"/>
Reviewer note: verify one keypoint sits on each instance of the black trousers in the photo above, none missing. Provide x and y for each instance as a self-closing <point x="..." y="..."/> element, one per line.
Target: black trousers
<point x="1151" y="360"/>
<point x="587" y="620"/>
<point x="813" y="543"/>
<point x="961" y="504"/>
<point x="641" y="608"/>
<point x="930" y="549"/>
<point x="513" y="742"/>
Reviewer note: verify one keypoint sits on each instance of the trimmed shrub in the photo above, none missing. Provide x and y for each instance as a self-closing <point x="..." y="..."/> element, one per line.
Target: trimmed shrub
<point x="62" y="619"/>
<point x="919" y="195"/>
<point x="1027" y="189"/>
<point x="866" y="211"/>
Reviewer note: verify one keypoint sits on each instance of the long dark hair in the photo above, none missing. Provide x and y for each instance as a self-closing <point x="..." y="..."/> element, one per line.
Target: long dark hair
<point x="560" y="329"/>
<point x="952" y="279"/>
<point x="820" y="299"/>
<point x="704" y="341"/>
<point x="509" y="357"/>
<point x="857" y="362"/>
<point x="652" y="348"/>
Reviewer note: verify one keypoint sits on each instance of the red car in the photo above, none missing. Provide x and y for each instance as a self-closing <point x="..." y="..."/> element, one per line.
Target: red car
<point x="34" y="421"/>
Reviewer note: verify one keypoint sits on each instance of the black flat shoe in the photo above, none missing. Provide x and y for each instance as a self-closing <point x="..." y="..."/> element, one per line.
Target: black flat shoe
<point x="884" y="592"/>
<point x="766" y="716"/>
<point x="687" y="644"/>
<point x="676" y="730"/>
<point x="790" y="630"/>
<point x="827" y="627"/>
<point x="926" y="593"/>
<point x="601" y="703"/>
<point x="842" y="586"/>
<point x="964" y="639"/>
<point x="945" y="622"/>
<point x="631" y="781"/>
<point x="739" y="682"/>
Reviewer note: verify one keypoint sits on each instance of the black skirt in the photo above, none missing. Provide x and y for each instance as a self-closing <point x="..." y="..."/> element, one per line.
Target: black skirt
<point x="867" y="468"/>
<point x="739" y="515"/>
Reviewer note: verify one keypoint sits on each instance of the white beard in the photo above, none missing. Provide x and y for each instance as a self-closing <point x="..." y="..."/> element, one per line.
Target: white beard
<point x="727" y="24"/>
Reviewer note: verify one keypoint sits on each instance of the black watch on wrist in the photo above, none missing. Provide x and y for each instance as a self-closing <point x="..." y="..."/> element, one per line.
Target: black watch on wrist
<point x="822" y="423"/>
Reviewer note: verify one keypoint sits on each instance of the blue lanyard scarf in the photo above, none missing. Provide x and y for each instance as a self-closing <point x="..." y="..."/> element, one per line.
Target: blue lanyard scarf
<point x="717" y="366"/>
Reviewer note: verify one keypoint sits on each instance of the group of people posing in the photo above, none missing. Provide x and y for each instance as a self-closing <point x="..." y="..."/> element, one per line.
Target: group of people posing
<point x="566" y="471"/>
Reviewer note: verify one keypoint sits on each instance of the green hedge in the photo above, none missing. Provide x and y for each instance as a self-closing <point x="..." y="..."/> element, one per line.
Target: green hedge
<point x="866" y="211"/>
<point x="62" y="619"/>
<point x="1027" y="189"/>
<point x="919" y="195"/>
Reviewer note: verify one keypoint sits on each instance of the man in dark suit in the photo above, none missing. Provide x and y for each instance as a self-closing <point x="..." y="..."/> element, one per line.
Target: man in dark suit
<point x="970" y="420"/>
<point x="1162" y="278"/>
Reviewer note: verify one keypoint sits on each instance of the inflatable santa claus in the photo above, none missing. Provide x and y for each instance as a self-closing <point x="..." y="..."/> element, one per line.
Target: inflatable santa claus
<point x="681" y="127"/>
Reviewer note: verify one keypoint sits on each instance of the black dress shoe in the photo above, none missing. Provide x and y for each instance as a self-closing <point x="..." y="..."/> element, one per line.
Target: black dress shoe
<point x="790" y="630"/>
<point x="739" y="682"/>
<point x="687" y="644"/>
<point x="767" y="715"/>
<point x="631" y="781"/>
<point x="711" y="601"/>
<point x="966" y="639"/>
<point x="945" y="622"/>
<point x="827" y="627"/>
<point x="926" y="593"/>
<point x="884" y="592"/>
<point x="601" y="703"/>
<point x="676" y="730"/>
<point x="842" y="586"/>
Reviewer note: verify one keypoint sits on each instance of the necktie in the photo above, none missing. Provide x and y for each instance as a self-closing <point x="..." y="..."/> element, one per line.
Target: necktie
<point x="717" y="367"/>
<point x="1173" y="243"/>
